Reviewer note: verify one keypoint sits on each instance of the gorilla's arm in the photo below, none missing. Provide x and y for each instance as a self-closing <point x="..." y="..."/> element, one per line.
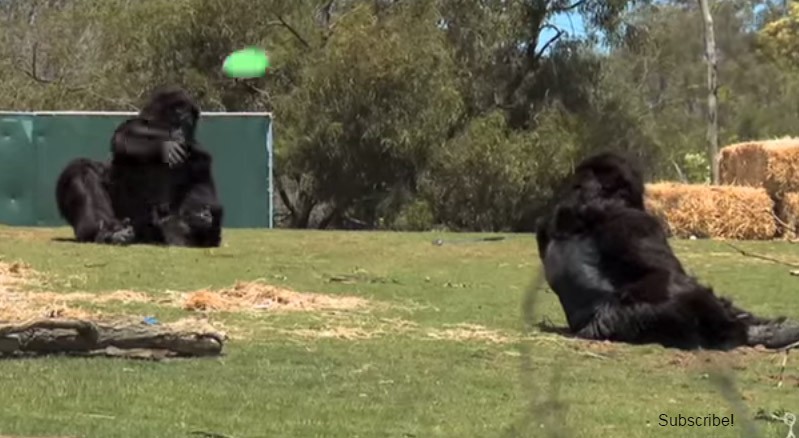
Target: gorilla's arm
<point x="636" y="254"/>
<point x="542" y="236"/>
<point x="200" y="194"/>
<point x="138" y="139"/>
<point x="195" y="216"/>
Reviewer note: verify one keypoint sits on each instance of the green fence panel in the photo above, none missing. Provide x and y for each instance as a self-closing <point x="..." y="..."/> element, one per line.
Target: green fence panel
<point x="58" y="140"/>
<point x="242" y="167"/>
<point x="17" y="170"/>
<point x="29" y="165"/>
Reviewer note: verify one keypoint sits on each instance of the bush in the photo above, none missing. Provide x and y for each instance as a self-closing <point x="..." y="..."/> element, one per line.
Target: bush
<point x="417" y="215"/>
<point x="493" y="179"/>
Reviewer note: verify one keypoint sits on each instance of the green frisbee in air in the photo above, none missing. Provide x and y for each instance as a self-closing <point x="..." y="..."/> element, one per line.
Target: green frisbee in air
<point x="251" y="62"/>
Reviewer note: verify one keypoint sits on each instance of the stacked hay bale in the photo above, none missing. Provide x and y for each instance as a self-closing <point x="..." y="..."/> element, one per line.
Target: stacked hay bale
<point x="786" y="209"/>
<point x="725" y="212"/>
<point x="772" y="165"/>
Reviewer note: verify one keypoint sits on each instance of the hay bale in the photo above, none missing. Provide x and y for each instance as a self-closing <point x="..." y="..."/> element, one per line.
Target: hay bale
<point x="787" y="210"/>
<point x="771" y="164"/>
<point x="722" y="212"/>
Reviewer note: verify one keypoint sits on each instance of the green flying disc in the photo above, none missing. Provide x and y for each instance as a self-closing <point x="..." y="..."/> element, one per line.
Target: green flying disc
<point x="251" y="62"/>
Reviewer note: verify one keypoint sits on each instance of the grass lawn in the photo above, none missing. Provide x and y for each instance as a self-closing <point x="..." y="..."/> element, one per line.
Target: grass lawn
<point x="437" y="353"/>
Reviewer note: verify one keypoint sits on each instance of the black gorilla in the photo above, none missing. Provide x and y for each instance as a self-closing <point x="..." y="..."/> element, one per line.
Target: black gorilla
<point x="161" y="177"/>
<point x="83" y="201"/>
<point x="617" y="278"/>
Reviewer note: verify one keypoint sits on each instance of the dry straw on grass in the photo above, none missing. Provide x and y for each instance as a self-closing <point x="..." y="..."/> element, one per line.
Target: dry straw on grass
<point x="771" y="164"/>
<point x="259" y="296"/>
<point x="14" y="275"/>
<point x="470" y="332"/>
<point x="21" y="306"/>
<point x="18" y="304"/>
<point x="723" y="212"/>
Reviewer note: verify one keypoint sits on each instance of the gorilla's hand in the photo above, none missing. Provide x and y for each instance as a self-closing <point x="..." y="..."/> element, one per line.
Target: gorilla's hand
<point x="178" y="135"/>
<point x="173" y="152"/>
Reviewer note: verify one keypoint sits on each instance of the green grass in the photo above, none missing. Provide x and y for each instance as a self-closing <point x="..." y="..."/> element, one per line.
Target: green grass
<point x="397" y="383"/>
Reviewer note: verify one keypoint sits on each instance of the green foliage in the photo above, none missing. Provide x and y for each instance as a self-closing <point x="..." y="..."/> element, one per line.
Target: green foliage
<point x="696" y="168"/>
<point x="491" y="178"/>
<point x="369" y="110"/>
<point x="416" y="215"/>
<point x="382" y="107"/>
<point x="660" y="77"/>
<point x="780" y="38"/>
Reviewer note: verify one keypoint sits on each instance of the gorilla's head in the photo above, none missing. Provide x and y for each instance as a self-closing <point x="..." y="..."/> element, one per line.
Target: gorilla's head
<point x="173" y="106"/>
<point x="609" y="176"/>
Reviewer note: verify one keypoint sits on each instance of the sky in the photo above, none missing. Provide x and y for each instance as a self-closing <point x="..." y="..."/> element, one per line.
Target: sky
<point x="571" y="23"/>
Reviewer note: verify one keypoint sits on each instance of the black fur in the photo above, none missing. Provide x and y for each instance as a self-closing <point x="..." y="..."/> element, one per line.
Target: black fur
<point x="164" y="202"/>
<point x="617" y="278"/>
<point x="83" y="201"/>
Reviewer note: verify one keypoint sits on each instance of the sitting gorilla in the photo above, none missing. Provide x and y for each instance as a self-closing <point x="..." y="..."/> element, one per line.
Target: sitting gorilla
<point x="84" y="202"/>
<point x="617" y="278"/>
<point x="161" y="177"/>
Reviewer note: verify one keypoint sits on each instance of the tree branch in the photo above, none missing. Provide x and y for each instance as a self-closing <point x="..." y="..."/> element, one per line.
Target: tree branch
<point x="259" y="91"/>
<point x="281" y="191"/>
<point x="294" y="32"/>
<point x="329" y="218"/>
<point x="762" y="257"/>
<point x="33" y="72"/>
<point x="571" y="7"/>
<point x="325" y="14"/>
<point x="558" y="33"/>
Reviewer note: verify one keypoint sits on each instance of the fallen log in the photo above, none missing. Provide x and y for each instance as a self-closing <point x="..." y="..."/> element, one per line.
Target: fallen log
<point x="117" y="339"/>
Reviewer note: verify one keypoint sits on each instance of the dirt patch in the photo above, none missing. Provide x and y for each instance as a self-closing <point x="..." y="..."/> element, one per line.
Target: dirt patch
<point x="601" y="347"/>
<point x="258" y="296"/>
<point x="787" y="380"/>
<point x="738" y="359"/>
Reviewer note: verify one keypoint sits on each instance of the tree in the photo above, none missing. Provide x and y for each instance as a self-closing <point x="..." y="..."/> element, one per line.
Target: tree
<point x="712" y="98"/>
<point x="780" y="38"/>
<point x="365" y="115"/>
<point x="386" y="110"/>
<point x="658" y="72"/>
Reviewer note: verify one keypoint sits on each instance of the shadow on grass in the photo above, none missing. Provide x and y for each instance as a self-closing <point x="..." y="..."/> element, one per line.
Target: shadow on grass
<point x="64" y="240"/>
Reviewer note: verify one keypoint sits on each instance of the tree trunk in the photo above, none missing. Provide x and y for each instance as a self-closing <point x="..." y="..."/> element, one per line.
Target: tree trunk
<point x="333" y="215"/>
<point x="712" y="96"/>
<point x="107" y="339"/>
<point x="300" y="208"/>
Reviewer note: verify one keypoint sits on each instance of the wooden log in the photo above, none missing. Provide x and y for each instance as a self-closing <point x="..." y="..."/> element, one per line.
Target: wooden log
<point x="111" y="339"/>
